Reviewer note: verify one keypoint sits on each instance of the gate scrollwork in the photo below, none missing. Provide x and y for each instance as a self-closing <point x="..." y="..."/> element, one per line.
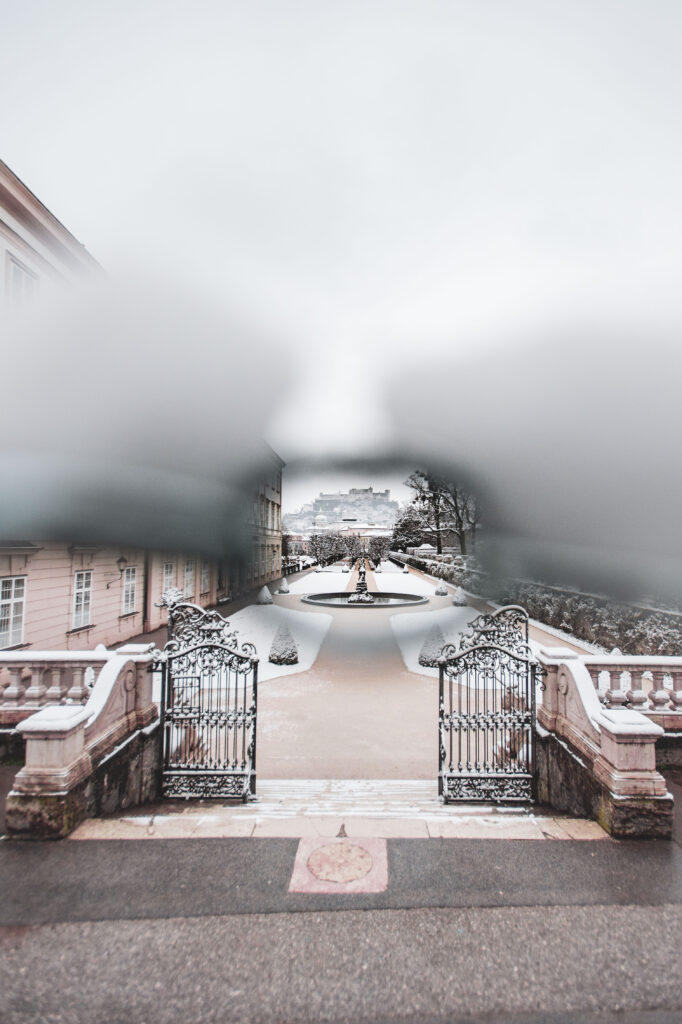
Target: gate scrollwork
<point x="487" y="711"/>
<point x="208" y="705"/>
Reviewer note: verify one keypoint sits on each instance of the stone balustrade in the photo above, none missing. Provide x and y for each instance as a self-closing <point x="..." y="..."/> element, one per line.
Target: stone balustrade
<point x="30" y="680"/>
<point x="85" y="758"/>
<point x="645" y="683"/>
<point x="597" y="753"/>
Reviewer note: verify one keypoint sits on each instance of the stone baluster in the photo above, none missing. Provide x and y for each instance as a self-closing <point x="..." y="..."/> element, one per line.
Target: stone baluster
<point x="636" y="694"/>
<point x="35" y="693"/>
<point x="55" y="690"/>
<point x="78" y="692"/>
<point x="14" y="693"/>
<point x="676" y="695"/>
<point x="616" y="696"/>
<point x="659" y="696"/>
<point x="602" y="680"/>
<point x="5" y="679"/>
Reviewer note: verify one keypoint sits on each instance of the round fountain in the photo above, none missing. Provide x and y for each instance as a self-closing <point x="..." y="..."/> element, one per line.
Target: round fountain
<point x="361" y="597"/>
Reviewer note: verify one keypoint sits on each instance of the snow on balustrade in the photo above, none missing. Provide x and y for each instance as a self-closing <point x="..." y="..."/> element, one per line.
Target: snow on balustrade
<point x="651" y="684"/>
<point x="30" y="680"/>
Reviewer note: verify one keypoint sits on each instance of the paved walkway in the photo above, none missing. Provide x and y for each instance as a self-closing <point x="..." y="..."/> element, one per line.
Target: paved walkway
<point x="358" y="713"/>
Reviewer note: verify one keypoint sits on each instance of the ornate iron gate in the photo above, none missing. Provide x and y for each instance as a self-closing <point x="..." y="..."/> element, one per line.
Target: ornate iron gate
<point x="208" y="706"/>
<point x="487" y="706"/>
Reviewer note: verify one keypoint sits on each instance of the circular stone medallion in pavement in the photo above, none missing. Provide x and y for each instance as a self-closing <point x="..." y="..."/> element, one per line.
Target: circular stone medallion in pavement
<point x="340" y="862"/>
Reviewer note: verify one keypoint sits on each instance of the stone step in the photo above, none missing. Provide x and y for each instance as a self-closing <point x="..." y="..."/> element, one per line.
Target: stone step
<point x="383" y="808"/>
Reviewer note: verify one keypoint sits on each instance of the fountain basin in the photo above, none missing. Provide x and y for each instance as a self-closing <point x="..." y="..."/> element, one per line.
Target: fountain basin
<point x="381" y="599"/>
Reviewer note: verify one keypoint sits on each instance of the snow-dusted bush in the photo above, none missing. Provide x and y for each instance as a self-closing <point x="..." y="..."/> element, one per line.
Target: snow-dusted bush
<point x="433" y="645"/>
<point x="344" y="568"/>
<point x="441" y="590"/>
<point x="460" y="598"/>
<point x="264" y="596"/>
<point x="283" y="650"/>
<point x="283" y="587"/>
<point x="405" y="568"/>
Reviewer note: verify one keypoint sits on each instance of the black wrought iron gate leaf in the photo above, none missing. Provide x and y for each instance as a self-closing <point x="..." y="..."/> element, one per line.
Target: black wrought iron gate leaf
<point x="209" y="698"/>
<point x="487" y="711"/>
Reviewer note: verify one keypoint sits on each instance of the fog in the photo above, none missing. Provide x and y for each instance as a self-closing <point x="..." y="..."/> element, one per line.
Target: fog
<point x="377" y="235"/>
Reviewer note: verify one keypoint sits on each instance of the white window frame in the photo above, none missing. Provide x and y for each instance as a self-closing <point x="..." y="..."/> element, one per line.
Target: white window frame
<point x="188" y="591"/>
<point x="82" y="599"/>
<point x="168" y="582"/>
<point x="15" y="605"/>
<point x="205" y="576"/>
<point x="129" y="590"/>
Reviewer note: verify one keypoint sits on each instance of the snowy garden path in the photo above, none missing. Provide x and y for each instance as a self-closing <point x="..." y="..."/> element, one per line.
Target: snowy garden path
<point x="358" y="713"/>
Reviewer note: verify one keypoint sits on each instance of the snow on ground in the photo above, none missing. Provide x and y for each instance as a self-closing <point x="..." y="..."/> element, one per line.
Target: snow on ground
<point x="411" y="628"/>
<point x="258" y="624"/>
<point x="404" y="583"/>
<point x="327" y="580"/>
<point x="390" y="567"/>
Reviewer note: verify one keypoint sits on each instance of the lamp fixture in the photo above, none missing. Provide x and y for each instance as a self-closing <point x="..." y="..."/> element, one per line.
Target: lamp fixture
<point x="121" y="563"/>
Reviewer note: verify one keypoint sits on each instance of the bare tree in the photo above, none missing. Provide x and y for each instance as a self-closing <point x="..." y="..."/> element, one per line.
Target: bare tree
<point x="463" y="512"/>
<point x="446" y="507"/>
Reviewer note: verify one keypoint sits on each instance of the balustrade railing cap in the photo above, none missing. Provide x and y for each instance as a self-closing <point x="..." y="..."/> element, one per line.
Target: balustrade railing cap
<point x="626" y="721"/>
<point x="55" y="718"/>
<point x="558" y="653"/>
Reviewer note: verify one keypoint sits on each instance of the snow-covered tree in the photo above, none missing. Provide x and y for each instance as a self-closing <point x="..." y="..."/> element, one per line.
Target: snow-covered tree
<point x="408" y="531"/>
<point x="379" y="548"/>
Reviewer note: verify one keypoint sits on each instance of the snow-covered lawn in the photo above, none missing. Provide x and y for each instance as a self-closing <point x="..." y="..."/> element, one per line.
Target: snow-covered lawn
<point x="390" y="567"/>
<point x="411" y="629"/>
<point x="258" y="624"/>
<point x="327" y="580"/>
<point x="404" y="583"/>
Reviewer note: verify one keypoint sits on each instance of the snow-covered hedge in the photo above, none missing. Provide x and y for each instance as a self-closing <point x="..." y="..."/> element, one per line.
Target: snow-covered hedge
<point x="598" y="620"/>
<point x="632" y="629"/>
<point x="283" y="650"/>
<point x="433" y="644"/>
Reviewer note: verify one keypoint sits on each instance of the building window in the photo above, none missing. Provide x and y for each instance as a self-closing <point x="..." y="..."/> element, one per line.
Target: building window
<point x="82" y="599"/>
<point x="205" y="576"/>
<point x="129" y="583"/>
<point x="189" y="578"/>
<point x="12" y="597"/>
<point x="168" y="576"/>
<point x="22" y="284"/>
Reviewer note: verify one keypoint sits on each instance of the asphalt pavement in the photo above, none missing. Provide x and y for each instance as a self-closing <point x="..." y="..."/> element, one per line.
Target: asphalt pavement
<point x="467" y="931"/>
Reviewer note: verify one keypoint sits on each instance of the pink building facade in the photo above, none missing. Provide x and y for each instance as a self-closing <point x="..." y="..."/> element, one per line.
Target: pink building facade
<point x="57" y="596"/>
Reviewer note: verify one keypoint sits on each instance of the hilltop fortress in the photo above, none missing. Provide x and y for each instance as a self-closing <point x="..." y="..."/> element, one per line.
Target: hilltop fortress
<point x="362" y="504"/>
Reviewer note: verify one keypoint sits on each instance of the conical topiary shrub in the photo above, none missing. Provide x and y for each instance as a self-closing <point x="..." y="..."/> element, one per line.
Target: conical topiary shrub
<point x="283" y="587"/>
<point x="283" y="650"/>
<point x="460" y="598"/>
<point x="264" y="596"/>
<point x="433" y="645"/>
<point x="441" y="590"/>
<point x="406" y="568"/>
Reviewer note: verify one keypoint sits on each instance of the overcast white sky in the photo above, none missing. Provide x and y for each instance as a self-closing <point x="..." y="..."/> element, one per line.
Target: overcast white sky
<point x="390" y="193"/>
